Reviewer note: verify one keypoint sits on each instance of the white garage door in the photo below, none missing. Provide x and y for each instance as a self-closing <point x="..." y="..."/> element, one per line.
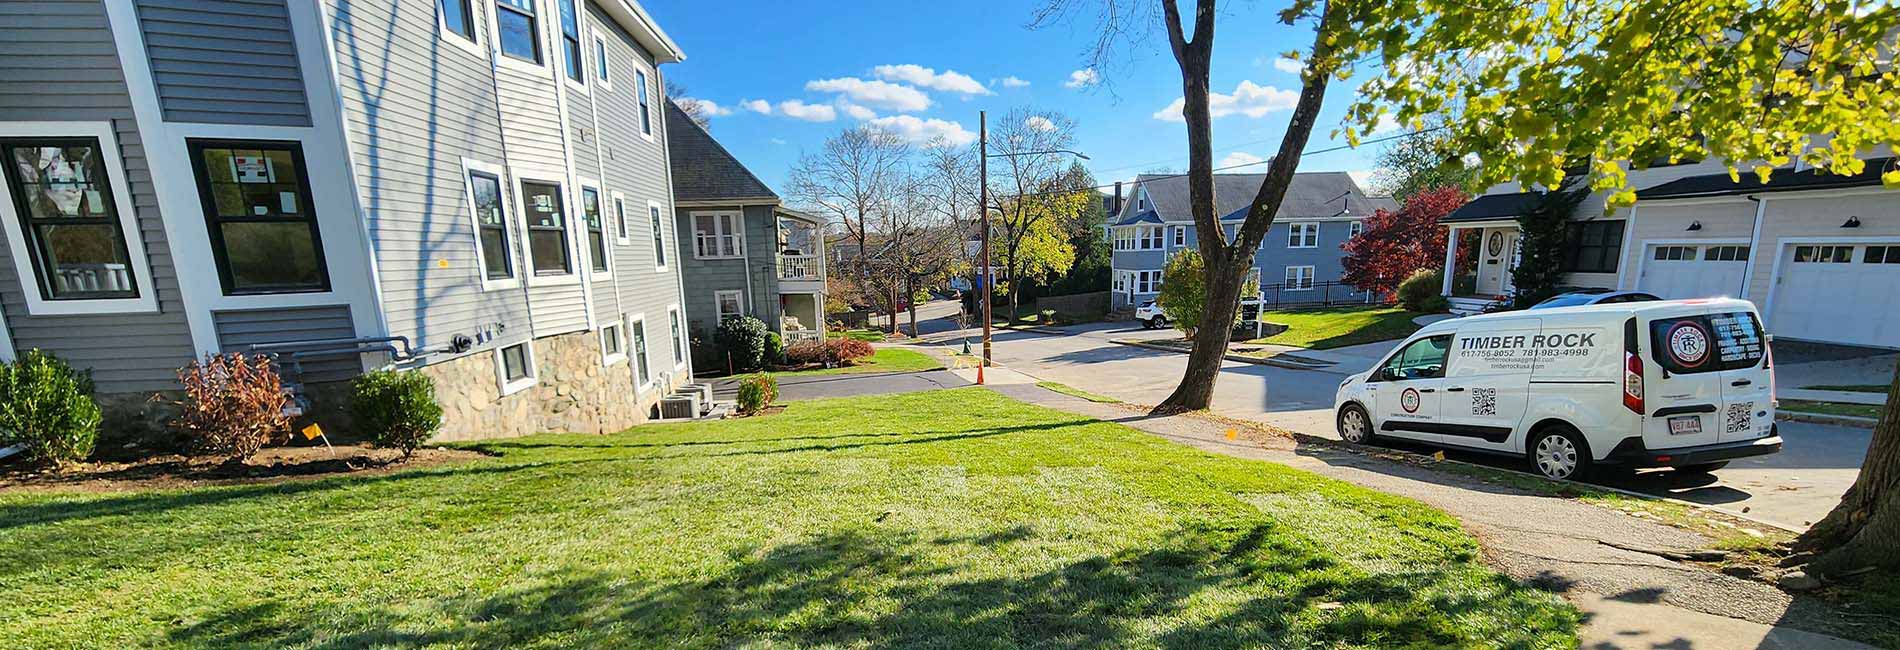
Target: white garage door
<point x="1676" y="271"/>
<point x="1839" y="293"/>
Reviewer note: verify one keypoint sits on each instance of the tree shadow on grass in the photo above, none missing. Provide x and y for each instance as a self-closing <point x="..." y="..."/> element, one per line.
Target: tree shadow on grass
<point x="1200" y="588"/>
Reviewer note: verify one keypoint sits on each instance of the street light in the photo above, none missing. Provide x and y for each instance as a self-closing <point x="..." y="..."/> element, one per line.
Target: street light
<point x="983" y="205"/>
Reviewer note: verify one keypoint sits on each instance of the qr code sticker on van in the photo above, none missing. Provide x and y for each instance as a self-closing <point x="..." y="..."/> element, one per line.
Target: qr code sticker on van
<point x="1484" y="401"/>
<point x="1740" y="417"/>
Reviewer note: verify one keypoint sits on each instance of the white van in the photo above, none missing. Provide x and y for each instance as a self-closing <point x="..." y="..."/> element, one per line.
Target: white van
<point x="1687" y="384"/>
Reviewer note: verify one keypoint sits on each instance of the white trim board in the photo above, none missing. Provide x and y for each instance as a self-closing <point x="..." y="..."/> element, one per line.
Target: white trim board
<point x="500" y="173"/>
<point x="570" y="196"/>
<point x="38" y="304"/>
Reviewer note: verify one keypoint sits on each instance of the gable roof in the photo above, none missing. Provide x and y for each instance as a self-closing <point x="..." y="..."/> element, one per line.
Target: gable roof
<point x="1311" y="195"/>
<point x="1783" y="180"/>
<point x="702" y="169"/>
<point x="1494" y="206"/>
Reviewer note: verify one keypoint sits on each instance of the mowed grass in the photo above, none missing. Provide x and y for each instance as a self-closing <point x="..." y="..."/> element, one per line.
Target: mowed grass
<point x="883" y="360"/>
<point x="945" y="519"/>
<point x="1338" y="327"/>
<point x="1829" y="408"/>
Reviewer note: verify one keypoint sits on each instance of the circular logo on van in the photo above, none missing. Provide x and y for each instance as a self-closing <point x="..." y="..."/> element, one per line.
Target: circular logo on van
<point x="1688" y="344"/>
<point x="1409" y="400"/>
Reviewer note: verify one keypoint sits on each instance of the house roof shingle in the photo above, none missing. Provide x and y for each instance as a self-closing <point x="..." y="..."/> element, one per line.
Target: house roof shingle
<point x="1494" y="206"/>
<point x="1783" y="180"/>
<point x="702" y="169"/>
<point x="1311" y="195"/>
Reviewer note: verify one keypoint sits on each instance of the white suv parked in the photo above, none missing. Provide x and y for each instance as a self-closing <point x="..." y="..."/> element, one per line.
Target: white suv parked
<point x="1150" y="315"/>
<point x="1687" y="384"/>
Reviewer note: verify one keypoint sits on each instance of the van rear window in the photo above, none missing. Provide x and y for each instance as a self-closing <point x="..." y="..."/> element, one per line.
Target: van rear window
<point x="1706" y="343"/>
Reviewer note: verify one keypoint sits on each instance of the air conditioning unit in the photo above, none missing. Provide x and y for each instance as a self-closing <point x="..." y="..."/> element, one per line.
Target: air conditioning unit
<point x="679" y="407"/>
<point x="703" y="391"/>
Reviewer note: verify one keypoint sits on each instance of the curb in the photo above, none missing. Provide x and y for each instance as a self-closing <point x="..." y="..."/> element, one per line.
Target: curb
<point x="1293" y="362"/>
<point x="1823" y="418"/>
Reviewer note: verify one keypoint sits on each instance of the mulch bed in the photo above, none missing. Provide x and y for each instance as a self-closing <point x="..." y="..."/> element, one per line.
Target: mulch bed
<point x="122" y="472"/>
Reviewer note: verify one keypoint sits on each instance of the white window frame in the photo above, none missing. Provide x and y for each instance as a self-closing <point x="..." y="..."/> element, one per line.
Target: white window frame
<point x="1180" y="236"/>
<point x="141" y="267"/>
<point x="585" y="85"/>
<point x="660" y="254"/>
<point x="603" y="63"/>
<point x="640" y="320"/>
<point x="1147" y="281"/>
<point x="501" y="369"/>
<point x="738" y="221"/>
<point x="651" y="99"/>
<point x="1151" y="238"/>
<point x="541" y="38"/>
<point x="1290" y="282"/>
<point x="1298" y="232"/>
<point x="1355" y="229"/>
<point x="719" y="314"/>
<point x="608" y="358"/>
<point x="1121" y="282"/>
<point x="620" y="224"/>
<point x="586" y="246"/>
<point x="571" y="197"/>
<point x="475" y="224"/>
<point x="676" y="321"/>
<point x="471" y="46"/>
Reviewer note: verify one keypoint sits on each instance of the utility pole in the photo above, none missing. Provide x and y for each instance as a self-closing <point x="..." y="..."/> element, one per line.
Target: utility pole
<point x="983" y="206"/>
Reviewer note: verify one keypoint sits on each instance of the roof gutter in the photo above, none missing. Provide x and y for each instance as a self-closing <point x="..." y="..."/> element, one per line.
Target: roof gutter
<point x="634" y="18"/>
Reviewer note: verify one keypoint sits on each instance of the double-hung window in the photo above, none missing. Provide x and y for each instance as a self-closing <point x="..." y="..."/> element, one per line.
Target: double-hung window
<point x="1302" y="235"/>
<point x="1147" y="281"/>
<point x="571" y="41"/>
<point x="1355" y="229"/>
<point x="491" y="225"/>
<point x="1593" y="246"/>
<point x="547" y="228"/>
<point x="640" y="351"/>
<point x="518" y="30"/>
<point x="679" y="336"/>
<point x="716" y="235"/>
<point x="596" y="232"/>
<point x="1151" y="238"/>
<point x="640" y="93"/>
<point x="1180" y="236"/>
<point x="1299" y="278"/>
<point x="258" y="211"/>
<point x="70" y="224"/>
<point x="458" y="18"/>
<point x="659" y="235"/>
<point x="728" y="304"/>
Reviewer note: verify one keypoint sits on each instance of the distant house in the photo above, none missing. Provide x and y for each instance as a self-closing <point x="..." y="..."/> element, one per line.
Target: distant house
<point x="745" y="253"/>
<point x="1297" y="261"/>
<point x="1818" y="253"/>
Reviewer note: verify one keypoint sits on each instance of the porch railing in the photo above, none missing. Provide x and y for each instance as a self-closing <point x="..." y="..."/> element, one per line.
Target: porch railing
<point x="795" y="336"/>
<point x="798" y="267"/>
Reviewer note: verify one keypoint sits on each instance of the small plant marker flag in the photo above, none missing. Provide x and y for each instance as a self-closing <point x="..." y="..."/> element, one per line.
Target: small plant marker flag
<point x="1231" y="434"/>
<point x="315" y="431"/>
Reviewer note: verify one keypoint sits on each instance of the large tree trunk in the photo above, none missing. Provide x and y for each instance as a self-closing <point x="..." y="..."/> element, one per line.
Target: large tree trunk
<point x="910" y="290"/>
<point x="1864" y="529"/>
<point x="1196" y="390"/>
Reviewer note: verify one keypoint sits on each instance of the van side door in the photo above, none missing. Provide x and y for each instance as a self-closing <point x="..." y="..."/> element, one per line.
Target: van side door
<point x="1407" y="386"/>
<point x="1487" y="390"/>
<point x="1741" y="347"/>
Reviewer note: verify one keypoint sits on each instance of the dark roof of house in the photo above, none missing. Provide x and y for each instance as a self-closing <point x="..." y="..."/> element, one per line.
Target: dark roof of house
<point x="1312" y="194"/>
<point x="1145" y="216"/>
<point x="1494" y="206"/>
<point x="1783" y="180"/>
<point x="702" y="169"/>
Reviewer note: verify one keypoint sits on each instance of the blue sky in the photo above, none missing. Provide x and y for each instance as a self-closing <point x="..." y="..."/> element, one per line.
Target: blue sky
<point x="804" y="61"/>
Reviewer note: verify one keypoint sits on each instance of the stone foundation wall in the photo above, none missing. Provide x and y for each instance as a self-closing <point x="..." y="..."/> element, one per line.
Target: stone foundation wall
<point x="573" y="393"/>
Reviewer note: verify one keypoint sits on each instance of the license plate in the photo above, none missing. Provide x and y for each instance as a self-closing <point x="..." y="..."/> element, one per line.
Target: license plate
<point x="1685" y="425"/>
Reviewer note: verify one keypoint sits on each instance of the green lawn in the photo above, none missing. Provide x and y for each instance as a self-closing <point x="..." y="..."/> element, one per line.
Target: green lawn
<point x="884" y="522"/>
<point x="883" y="360"/>
<point x="872" y="336"/>
<point x="1077" y="392"/>
<point x="1829" y="408"/>
<point x="1852" y="388"/>
<point x="1338" y="327"/>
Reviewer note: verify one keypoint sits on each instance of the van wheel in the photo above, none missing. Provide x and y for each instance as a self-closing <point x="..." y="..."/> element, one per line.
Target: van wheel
<point x="1702" y="468"/>
<point x="1559" y="452"/>
<point x="1354" y="426"/>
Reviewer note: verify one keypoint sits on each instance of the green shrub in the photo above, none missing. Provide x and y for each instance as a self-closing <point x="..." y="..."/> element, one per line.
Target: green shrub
<point x="1048" y="316"/>
<point x="774" y="348"/>
<point x="397" y="409"/>
<point x="1420" y="291"/>
<point x="743" y="340"/>
<point x="47" y="406"/>
<point x="757" y="392"/>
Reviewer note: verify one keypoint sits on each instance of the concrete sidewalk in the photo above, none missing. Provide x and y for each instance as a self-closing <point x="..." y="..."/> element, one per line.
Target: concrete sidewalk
<point x="1632" y="598"/>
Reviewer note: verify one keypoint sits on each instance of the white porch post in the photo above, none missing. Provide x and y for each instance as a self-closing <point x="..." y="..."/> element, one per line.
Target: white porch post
<point x="1451" y="259"/>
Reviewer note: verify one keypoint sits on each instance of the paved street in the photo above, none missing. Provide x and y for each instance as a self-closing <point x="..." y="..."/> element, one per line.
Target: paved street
<point x="1792" y="488"/>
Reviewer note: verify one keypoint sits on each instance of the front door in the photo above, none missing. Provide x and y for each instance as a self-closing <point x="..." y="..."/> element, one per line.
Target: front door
<point x="1407" y="386"/>
<point x="1495" y="256"/>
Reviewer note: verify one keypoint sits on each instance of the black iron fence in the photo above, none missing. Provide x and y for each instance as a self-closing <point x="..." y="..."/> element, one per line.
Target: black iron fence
<point x="1316" y="294"/>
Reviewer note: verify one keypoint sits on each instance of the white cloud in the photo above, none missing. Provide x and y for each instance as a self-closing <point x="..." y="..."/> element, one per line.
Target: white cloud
<point x="922" y="131"/>
<point x="706" y="106"/>
<point x="855" y="111"/>
<point x="778" y="141"/>
<point x="1013" y="82"/>
<point x="1249" y="99"/>
<point x="1083" y="77"/>
<point x="759" y="106"/>
<point x="948" y="81"/>
<point x="1287" y="65"/>
<point x="1387" y="124"/>
<point x="1039" y="123"/>
<point x="808" y="112"/>
<point x="881" y="94"/>
<point x="1238" y="158"/>
<point x="1363" y="177"/>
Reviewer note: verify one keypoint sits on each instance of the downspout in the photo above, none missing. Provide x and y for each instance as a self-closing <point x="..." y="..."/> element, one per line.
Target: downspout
<point x="671" y="223"/>
<point x="512" y="196"/>
<point x="1754" y="236"/>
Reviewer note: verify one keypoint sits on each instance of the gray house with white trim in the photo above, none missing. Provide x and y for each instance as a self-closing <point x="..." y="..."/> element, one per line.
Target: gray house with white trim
<point x="474" y="189"/>
<point x="1296" y="260"/>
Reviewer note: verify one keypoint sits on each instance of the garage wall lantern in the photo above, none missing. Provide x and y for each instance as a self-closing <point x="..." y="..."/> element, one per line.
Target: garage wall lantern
<point x="1852" y="222"/>
<point x="1694" y="226"/>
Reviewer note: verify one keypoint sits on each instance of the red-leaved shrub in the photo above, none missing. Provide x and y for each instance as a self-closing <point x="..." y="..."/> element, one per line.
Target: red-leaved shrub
<point x="847" y="349"/>
<point x="233" y="405"/>
<point x="807" y="352"/>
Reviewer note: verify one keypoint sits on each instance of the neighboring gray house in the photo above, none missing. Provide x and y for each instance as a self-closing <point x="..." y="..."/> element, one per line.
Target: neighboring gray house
<point x="484" y="179"/>
<point x="1297" y="260"/>
<point x="749" y="255"/>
